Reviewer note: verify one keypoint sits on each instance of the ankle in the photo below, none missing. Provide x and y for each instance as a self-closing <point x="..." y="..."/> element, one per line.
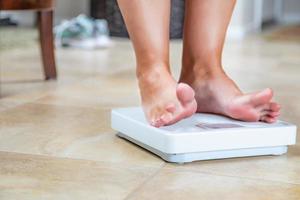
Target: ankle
<point x="148" y="68"/>
<point x="152" y="74"/>
<point x="200" y="72"/>
<point x="208" y="71"/>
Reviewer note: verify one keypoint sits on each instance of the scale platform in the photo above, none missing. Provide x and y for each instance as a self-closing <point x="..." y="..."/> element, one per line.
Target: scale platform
<point x="203" y="136"/>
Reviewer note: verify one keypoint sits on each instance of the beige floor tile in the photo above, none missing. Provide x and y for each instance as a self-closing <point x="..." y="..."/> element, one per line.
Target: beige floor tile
<point x="22" y="76"/>
<point x="4" y="105"/>
<point x="48" y="129"/>
<point x="38" y="177"/>
<point x="96" y="62"/>
<point x="25" y="91"/>
<point x="111" y="148"/>
<point x="98" y="93"/>
<point x="21" y="64"/>
<point x="175" y="184"/>
<point x="67" y="131"/>
<point x="285" y="168"/>
<point x="25" y="64"/>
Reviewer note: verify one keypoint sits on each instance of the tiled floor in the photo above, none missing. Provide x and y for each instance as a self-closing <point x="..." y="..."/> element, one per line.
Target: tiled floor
<point x="56" y="141"/>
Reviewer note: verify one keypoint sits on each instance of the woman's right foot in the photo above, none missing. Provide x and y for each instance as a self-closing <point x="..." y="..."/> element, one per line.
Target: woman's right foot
<point x="164" y="101"/>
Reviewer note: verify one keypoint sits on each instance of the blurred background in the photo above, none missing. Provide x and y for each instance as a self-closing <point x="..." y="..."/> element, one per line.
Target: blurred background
<point x="73" y="41"/>
<point x="91" y="39"/>
<point x="248" y="16"/>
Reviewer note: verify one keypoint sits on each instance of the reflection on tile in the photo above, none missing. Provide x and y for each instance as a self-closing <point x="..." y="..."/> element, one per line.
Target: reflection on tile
<point x="67" y="131"/>
<point x="38" y="177"/>
<point x="97" y="93"/>
<point x="25" y="91"/>
<point x="45" y="129"/>
<point x="284" y="168"/>
<point x="4" y="105"/>
<point x="175" y="184"/>
<point x="111" y="148"/>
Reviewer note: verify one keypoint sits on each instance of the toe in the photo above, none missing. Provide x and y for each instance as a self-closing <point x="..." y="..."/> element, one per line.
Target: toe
<point x="157" y="123"/>
<point x="166" y="118"/>
<point x="191" y="108"/>
<point x="185" y="93"/>
<point x="155" y="117"/>
<point x="171" y="118"/>
<point x="262" y="97"/>
<point x="174" y="112"/>
<point x="269" y="112"/>
<point x="268" y="119"/>
<point x="275" y="107"/>
<point x="271" y="106"/>
<point x="273" y="114"/>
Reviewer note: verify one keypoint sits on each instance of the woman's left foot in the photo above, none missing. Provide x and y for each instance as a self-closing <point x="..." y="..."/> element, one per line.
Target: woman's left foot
<point x="218" y="94"/>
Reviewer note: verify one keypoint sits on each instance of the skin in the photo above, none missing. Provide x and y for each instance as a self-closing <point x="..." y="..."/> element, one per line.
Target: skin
<point x="164" y="100"/>
<point x="203" y="85"/>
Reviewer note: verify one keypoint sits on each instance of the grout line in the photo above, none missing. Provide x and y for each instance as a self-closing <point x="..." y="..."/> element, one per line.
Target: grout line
<point x="163" y="166"/>
<point x="119" y="165"/>
<point x="134" y="191"/>
<point x="230" y="176"/>
<point x="13" y="105"/>
<point x="72" y="105"/>
<point x="35" y="101"/>
<point x="82" y="141"/>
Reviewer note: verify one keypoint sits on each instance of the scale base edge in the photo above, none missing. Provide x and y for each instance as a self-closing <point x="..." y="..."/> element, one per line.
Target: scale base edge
<point x="210" y="155"/>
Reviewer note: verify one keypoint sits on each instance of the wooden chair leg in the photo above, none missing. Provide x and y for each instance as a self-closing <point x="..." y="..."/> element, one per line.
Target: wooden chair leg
<point x="45" y="23"/>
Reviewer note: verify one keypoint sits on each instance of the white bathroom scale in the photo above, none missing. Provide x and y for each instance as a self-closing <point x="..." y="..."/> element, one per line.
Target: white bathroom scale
<point x="203" y="136"/>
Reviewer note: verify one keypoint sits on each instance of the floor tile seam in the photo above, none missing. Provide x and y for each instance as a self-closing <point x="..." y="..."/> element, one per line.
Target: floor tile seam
<point x="230" y="176"/>
<point x="71" y="105"/>
<point x="140" y="186"/>
<point x="119" y="165"/>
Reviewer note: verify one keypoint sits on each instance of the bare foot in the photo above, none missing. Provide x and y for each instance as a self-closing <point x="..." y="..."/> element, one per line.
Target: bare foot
<point x="219" y="94"/>
<point x="165" y="101"/>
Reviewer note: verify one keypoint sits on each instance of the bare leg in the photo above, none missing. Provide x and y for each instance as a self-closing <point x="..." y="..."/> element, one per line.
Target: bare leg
<point x="206" y="22"/>
<point x="163" y="100"/>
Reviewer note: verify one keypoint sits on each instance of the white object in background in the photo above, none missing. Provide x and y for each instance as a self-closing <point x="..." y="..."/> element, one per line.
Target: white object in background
<point x="203" y="136"/>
